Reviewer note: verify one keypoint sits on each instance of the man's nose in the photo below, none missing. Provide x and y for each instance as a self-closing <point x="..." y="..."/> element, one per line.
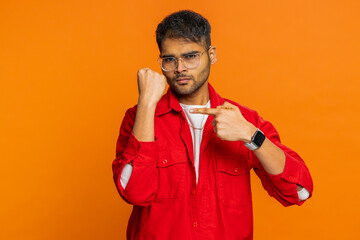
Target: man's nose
<point x="180" y="67"/>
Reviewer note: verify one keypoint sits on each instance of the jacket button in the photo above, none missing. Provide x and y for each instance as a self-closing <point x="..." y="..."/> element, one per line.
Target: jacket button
<point x="195" y="224"/>
<point x="236" y="170"/>
<point x="165" y="161"/>
<point x="193" y="192"/>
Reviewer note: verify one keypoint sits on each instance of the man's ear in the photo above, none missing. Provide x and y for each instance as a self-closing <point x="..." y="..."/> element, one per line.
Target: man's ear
<point x="212" y="55"/>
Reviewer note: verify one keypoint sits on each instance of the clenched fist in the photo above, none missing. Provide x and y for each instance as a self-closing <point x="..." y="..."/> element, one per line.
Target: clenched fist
<point x="229" y="124"/>
<point x="151" y="86"/>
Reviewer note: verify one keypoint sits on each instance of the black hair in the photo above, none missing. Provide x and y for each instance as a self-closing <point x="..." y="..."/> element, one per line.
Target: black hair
<point x="184" y="24"/>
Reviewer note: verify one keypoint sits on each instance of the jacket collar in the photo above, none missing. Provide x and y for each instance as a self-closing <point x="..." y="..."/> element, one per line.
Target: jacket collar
<point x="169" y="101"/>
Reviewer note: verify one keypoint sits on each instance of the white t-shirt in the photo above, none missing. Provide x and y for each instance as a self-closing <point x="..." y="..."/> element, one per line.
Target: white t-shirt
<point x="196" y="123"/>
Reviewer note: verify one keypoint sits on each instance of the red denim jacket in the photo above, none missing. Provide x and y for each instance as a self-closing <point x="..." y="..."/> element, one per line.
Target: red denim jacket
<point x="168" y="204"/>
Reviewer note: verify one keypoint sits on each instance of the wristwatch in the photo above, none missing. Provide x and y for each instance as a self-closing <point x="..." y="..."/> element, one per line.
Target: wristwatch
<point x="256" y="140"/>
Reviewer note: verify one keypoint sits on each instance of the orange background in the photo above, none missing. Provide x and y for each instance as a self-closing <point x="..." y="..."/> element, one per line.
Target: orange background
<point x="68" y="73"/>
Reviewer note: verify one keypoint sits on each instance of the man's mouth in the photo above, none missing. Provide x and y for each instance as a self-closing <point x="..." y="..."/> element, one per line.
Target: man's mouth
<point x="182" y="80"/>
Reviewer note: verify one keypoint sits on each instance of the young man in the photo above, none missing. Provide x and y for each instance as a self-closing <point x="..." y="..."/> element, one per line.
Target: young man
<point x="183" y="159"/>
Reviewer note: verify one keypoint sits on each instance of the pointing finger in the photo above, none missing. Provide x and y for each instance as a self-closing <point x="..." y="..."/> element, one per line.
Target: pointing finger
<point x="207" y="111"/>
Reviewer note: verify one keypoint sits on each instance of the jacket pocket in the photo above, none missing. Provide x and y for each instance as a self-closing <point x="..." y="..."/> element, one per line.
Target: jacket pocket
<point x="233" y="180"/>
<point x="171" y="165"/>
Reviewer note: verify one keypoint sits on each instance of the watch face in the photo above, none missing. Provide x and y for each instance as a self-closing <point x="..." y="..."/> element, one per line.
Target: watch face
<point x="259" y="138"/>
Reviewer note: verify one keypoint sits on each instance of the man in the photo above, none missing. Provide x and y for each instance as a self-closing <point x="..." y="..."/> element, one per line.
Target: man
<point x="183" y="159"/>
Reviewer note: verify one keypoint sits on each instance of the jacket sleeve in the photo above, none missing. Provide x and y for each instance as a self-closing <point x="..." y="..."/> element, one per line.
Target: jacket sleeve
<point x="282" y="186"/>
<point x="142" y="184"/>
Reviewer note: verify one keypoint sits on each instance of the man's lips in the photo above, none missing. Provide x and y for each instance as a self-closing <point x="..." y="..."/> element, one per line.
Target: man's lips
<point x="182" y="80"/>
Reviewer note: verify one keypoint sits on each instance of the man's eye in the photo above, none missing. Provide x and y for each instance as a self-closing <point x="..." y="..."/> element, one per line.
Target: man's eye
<point x="191" y="56"/>
<point x="168" y="60"/>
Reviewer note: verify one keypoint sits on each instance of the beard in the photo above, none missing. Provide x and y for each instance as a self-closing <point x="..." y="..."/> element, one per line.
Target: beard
<point x="192" y="85"/>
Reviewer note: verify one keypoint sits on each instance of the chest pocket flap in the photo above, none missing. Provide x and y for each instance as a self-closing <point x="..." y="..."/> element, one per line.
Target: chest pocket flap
<point x="232" y="164"/>
<point x="168" y="158"/>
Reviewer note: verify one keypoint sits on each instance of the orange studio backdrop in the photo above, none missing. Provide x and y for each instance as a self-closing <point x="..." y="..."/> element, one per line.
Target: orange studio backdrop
<point x="68" y="74"/>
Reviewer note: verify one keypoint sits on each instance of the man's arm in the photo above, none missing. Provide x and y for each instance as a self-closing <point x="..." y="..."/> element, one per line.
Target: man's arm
<point x="151" y="88"/>
<point x="269" y="161"/>
<point x="271" y="157"/>
<point x="137" y="145"/>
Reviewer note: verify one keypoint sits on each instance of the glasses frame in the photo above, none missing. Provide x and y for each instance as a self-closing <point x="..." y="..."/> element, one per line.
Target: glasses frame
<point x="179" y="58"/>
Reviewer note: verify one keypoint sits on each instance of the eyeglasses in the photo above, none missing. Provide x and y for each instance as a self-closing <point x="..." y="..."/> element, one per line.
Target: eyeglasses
<point x="190" y="61"/>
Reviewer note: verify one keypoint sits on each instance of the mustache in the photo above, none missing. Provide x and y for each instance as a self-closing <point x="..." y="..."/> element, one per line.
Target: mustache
<point x="182" y="76"/>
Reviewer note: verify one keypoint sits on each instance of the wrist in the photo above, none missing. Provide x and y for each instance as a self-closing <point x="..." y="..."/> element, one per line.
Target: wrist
<point x="147" y="103"/>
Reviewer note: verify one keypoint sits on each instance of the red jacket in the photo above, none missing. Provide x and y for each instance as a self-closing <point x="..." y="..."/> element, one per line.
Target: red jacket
<point x="168" y="204"/>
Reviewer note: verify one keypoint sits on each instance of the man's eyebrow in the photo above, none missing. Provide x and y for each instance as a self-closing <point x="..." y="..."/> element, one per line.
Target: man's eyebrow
<point x="167" y="55"/>
<point x="182" y="55"/>
<point x="189" y="53"/>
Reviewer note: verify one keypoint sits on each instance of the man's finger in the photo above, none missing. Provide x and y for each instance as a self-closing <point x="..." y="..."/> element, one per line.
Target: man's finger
<point x="208" y="111"/>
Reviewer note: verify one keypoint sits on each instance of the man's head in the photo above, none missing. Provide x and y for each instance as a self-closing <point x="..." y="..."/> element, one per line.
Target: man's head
<point x="182" y="36"/>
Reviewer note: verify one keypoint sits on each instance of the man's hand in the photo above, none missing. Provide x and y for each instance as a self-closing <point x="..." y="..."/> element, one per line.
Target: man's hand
<point x="151" y="86"/>
<point x="229" y="124"/>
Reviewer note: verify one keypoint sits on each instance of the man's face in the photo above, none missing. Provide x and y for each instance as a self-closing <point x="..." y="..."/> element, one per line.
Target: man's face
<point x="182" y="80"/>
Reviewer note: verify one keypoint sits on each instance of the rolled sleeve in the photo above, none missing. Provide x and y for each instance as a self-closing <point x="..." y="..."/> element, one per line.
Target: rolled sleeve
<point x="290" y="174"/>
<point x="141" y="153"/>
<point x="283" y="186"/>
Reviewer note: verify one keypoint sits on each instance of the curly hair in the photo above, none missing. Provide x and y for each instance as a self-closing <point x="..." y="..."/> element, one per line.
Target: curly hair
<point x="184" y="24"/>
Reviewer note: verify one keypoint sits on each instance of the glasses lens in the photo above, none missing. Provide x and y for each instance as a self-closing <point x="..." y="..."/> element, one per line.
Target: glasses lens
<point x="168" y="64"/>
<point x="191" y="60"/>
